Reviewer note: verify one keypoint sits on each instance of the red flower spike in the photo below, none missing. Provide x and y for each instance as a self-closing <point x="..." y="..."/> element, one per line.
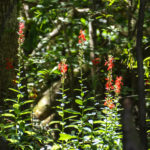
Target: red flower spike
<point x="109" y="63"/>
<point x="81" y="37"/>
<point x="109" y="84"/>
<point x="96" y="61"/>
<point x="109" y="103"/>
<point x="111" y="106"/>
<point x="118" y="84"/>
<point x="105" y="103"/>
<point x="20" y="32"/>
<point x="63" y="68"/>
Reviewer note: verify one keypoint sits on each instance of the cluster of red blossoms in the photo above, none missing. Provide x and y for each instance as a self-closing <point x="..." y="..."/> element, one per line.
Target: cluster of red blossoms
<point x="81" y="37"/>
<point x="9" y="64"/>
<point x="21" y="32"/>
<point x="96" y="61"/>
<point x="118" y="84"/>
<point x="62" y="67"/>
<point x="109" y="84"/>
<point x="109" y="103"/>
<point x="109" y="63"/>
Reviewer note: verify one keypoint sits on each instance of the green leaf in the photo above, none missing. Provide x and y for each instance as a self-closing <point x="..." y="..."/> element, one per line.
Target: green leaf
<point x="72" y="126"/>
<point x="54" y="122"/>
<point x="66" y="137"/>
<point x="10" y="100"/>
<point x="30" y="133"/>
<point x="83" y="21"/>
<point x="82" y="94"/>
<point x="98" y="121"/>
<point x="16" y="106"/>
<point x="14" y="141"/>
<point x="70" y="117"/>
<point x="27" y="102"/>
<point x="25" y="112"/>
<point x="147" y="58"/>
<point x="148" y="131"/>
<point x="14" y="90"/>
<point x="61" y="113"/>
<point x="8" y="115"/>
<point x="90" y="108"/>
<point x="7" y="126"/>
<point x="72" y="112"/>
<point x="78" y="101"/>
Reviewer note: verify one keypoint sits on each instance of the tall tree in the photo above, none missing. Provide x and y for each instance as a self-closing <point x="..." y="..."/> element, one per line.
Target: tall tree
<point x="8" y="42"/>
<point x="8" y="51"/>
<point x="142" y="107"/>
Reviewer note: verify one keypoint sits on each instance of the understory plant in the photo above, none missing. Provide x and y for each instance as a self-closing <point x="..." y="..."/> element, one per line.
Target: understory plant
<point x="81" y="123"/>
<point x="16" y="126"/>
<point x="111" y="123"/>
<point x="86" y="127"/>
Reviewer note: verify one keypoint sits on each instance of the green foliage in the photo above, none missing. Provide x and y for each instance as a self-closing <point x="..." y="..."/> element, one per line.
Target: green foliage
<point x="88" y="125"/>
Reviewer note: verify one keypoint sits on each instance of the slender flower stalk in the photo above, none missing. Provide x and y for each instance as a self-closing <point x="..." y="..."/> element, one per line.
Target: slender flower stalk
<point x="109" y="84"/>
<point x="82" y="39"/>
<point x="63" y="67"/>
<point x="112" y="102"/>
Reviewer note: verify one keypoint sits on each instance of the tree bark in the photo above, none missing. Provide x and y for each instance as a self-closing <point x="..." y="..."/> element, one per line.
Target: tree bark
<point x="142" y="107"/>
<point x="8" y="46"/>
<point x="8" y="51"/>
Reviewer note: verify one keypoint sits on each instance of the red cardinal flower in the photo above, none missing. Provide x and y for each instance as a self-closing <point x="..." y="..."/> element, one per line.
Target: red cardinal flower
<point x="118" y="84"/>
<point x="96" y="61"/>
<point x="63" y="68"/>
<point x="109" y="63"/>
<point x="81" y="37"/>
<point x="111" y="106"/>
<point x="109" y="103"/>
<point x="21" y="32"/>
<point x="109" y="84"/>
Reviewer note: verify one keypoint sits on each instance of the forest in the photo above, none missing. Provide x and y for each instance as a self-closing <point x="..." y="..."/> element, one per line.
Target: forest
<point x="74" y="75"/>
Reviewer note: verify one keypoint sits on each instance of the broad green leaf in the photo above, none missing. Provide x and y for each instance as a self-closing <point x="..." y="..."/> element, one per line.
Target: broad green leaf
<point x="70" y="117"/>
<point x="98" y="121"/>
<point x="61" y="113"/>
<point x="78" y="101"/>
<point x="30" y="133"/>
<point x="148" y="131"/>
<point x="8" y="115"/>
<point x="16" y="106"/>
<point x="90" y="108"/>
<point x="83" y="21"/>
<point x="66" y="137"/>
<point x="54" y="122"/>
<point x="25" y="112"/>
<point x="72" y="126"/>
<point x="26" y="102"/>
<point x="72" y="112"/>
<point x="14" y="141"/>
<point x="14" y="90"/>
<point x="10" y="100"/>
<point x="147" y="58"/>
<point x="8" y="126"/>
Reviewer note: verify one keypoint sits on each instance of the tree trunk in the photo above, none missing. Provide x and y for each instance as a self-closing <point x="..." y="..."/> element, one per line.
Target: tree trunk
<point x="8" y="46"/>
<point x="8" y="52"/>
<point x="142" y="107"/>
